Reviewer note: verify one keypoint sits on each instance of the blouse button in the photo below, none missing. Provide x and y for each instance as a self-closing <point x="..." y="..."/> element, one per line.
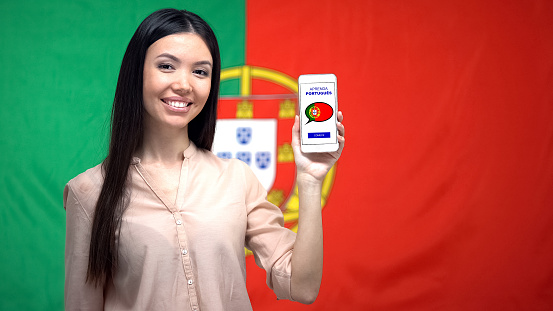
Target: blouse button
<point x="179" y="222"/>
<point x="184" y="251"/>
<point x="190" y="282"/>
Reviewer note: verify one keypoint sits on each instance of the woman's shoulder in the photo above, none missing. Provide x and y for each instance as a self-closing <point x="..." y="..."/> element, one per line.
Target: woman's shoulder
<point x="87" y="184"/>
<point x="222" y="164"/>
<point x="235" y="170"/>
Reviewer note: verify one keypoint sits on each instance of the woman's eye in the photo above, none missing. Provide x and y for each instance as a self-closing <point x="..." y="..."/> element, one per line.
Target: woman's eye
<point x="201" y="72"/>
<point x="165" y="66"/>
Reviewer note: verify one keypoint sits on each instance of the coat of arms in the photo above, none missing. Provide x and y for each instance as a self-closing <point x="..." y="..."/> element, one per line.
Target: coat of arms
<point x="254" y="125"/>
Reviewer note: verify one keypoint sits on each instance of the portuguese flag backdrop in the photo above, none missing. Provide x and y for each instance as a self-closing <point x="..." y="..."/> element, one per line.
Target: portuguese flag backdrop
<point x="442" y="200"/>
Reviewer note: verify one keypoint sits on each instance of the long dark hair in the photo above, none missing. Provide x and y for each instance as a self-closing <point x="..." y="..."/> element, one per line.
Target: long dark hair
<point x="127" y="129"/>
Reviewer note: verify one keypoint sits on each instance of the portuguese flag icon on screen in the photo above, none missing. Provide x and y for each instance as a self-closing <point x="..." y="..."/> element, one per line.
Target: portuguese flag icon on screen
<point x="318" y="112"/>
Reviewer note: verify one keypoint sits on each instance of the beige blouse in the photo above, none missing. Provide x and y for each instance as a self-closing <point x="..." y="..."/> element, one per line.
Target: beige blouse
<point x="183" y="256"/>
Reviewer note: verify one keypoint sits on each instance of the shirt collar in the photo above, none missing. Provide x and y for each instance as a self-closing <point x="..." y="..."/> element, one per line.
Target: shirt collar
<point x="189" y="152"/>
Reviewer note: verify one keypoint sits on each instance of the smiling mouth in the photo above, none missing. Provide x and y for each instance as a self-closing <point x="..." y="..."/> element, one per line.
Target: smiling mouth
<point x="176" y="104"/>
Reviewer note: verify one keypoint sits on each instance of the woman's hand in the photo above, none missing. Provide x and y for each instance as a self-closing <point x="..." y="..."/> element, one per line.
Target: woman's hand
<point x="315" y="166"/>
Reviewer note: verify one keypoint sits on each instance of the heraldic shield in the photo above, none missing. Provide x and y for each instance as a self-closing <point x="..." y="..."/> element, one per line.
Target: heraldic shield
<point x="256" y="113"/>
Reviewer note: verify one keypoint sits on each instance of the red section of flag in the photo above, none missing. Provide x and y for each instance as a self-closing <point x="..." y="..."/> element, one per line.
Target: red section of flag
<point x="443" y="197"/>
<point x="319" y="112"/>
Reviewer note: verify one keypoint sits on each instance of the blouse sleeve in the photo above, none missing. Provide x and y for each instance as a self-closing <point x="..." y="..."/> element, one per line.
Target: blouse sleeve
<point x="271" y="243"/>
<point x="79" y="295"/>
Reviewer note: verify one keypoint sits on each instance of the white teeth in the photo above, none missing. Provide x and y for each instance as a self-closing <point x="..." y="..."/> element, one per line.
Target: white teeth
<point x="178" y="104"/>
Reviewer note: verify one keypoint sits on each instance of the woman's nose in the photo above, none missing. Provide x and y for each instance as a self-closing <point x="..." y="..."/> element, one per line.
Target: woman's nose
<point x="182" y="84"/>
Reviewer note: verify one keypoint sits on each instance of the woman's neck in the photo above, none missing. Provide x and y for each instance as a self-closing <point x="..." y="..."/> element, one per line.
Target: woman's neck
<point x="163" y="146"/>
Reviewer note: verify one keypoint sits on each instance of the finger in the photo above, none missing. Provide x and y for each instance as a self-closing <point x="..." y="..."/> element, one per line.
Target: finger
<point x="341" y="143"/>
<point x="296" y="126"/>
<point x="341" y="140"/>
<point x="341" y="128"/>
<point x="296" y="130"/>
<point x="340" y="116"/>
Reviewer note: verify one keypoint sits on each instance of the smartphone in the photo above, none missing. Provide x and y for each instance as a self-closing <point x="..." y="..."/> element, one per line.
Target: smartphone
<point x="318" y="107"/>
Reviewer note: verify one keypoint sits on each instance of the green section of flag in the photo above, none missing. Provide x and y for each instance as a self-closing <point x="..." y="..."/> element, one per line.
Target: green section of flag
<point x="60" y="61"/>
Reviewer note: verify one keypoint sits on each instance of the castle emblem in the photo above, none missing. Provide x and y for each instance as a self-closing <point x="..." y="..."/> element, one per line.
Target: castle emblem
<point x="254" y="125"/>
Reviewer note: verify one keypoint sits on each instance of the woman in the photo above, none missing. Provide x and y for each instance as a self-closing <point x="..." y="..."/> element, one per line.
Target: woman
<point x="162" y="223"/>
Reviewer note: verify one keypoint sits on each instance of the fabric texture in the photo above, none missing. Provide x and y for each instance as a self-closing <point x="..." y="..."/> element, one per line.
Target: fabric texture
<point x="186" y="255"/>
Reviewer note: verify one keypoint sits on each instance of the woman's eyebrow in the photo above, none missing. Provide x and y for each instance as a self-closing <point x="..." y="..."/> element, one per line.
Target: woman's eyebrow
<point x="173" y="57"/>
<point x="176" y="59"/>
<point x="203" y="62"/>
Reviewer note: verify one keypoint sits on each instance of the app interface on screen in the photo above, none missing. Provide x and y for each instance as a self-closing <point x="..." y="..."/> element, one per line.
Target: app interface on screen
<point x="318" y="102"/>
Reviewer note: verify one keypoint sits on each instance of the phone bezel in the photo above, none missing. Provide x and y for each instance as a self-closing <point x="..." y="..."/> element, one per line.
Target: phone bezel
<point x="317" y="78"/>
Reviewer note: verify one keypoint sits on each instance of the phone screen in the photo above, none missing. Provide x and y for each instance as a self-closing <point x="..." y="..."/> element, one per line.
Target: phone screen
<point x="318" y="113"/>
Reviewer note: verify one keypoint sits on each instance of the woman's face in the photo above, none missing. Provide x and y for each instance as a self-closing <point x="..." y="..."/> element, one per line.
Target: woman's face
<point x="177" y="80"/>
